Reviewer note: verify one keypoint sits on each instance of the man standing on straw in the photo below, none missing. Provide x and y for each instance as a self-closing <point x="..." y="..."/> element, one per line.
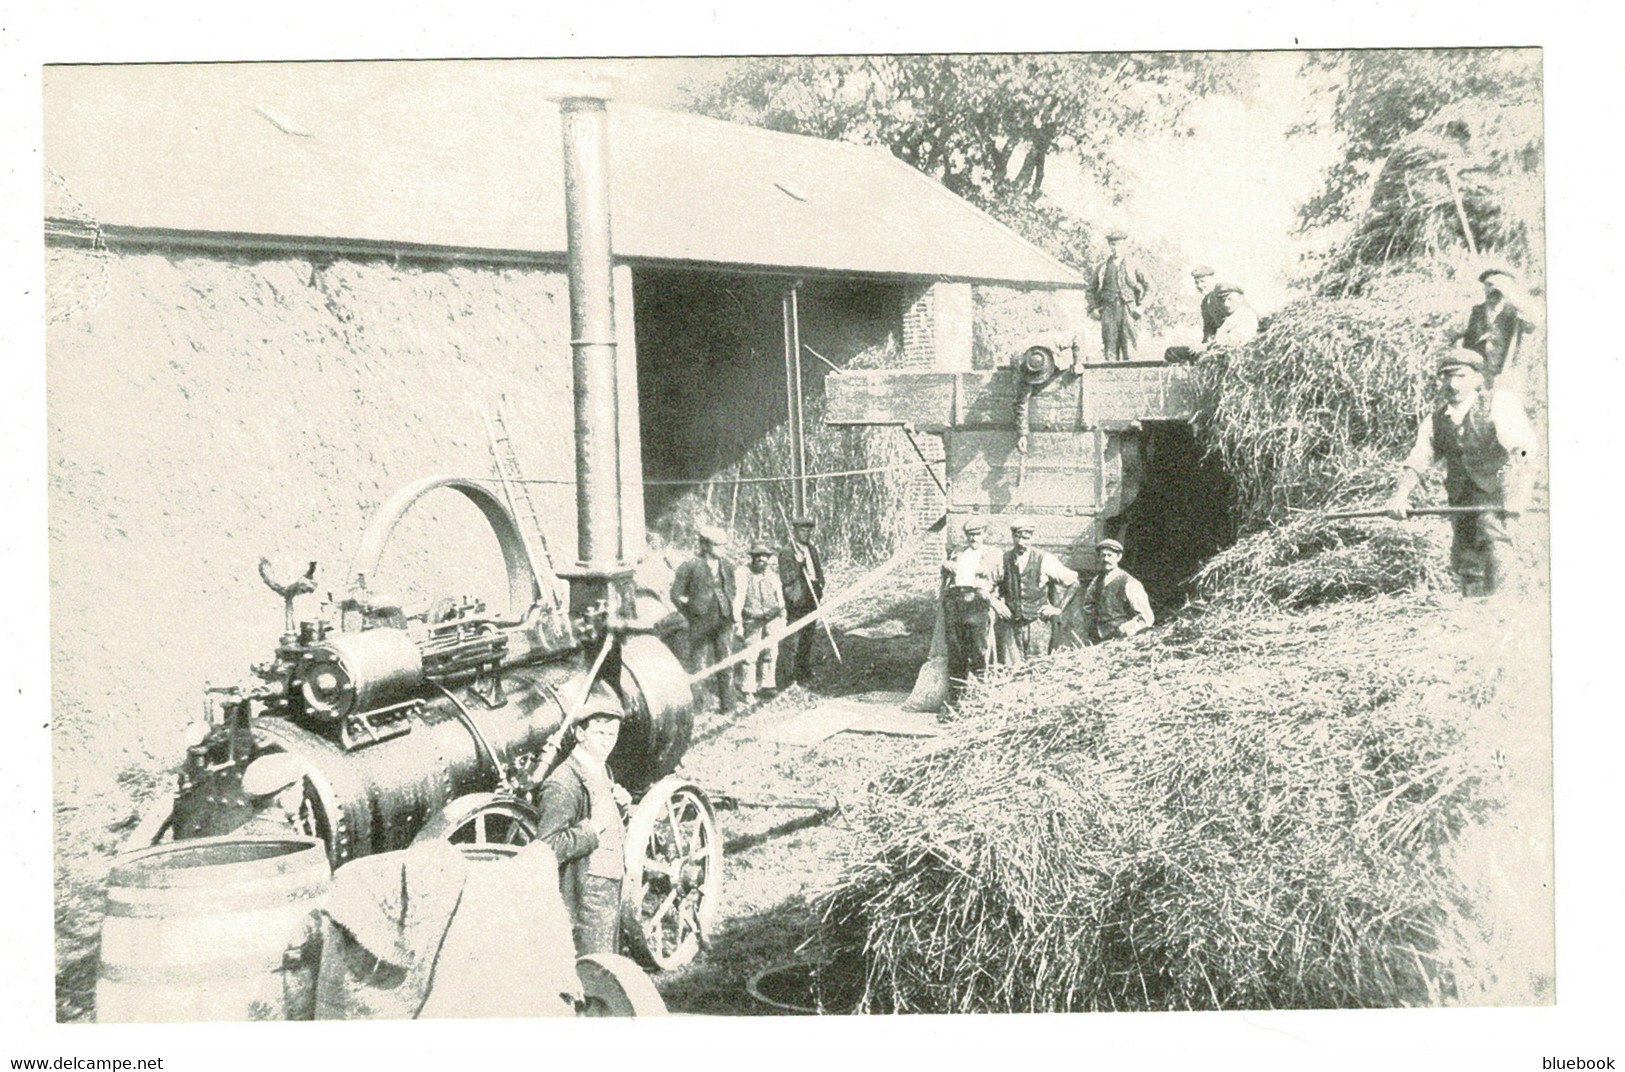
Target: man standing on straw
<point x="704" y="592"/>
<point x="801" y="572"/>
<point x="1497" y="325"/>
<point x="1035" y="586"/>
<point x="1115" y="604"/>
<point x="1115" y="297"/>
<point x="969" y="603"/>
<point x="1486" y="442"/>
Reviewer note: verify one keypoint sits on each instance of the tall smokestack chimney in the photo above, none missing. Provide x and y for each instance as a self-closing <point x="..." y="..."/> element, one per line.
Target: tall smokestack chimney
<point x="585" y="123"/>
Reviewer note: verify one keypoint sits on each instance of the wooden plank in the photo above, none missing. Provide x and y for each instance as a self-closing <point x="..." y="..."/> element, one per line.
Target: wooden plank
<point x="1120" y="393"/>
<point x="880" y="396"/>
<point x="988" y="400"/>
<point x="985" y="470"/>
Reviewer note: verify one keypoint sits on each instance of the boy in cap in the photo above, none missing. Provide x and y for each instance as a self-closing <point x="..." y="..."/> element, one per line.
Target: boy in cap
<point x="801" y="575"/>
<point x="1486" y="443"/>
<point x="1035" y="585"/>
<point x="275" y="786"/>
<point x="1115" y="604"/>
<point x="1238" y="322"/>
<point x="703" y="591"/>
<point x="580" y="807"/>
<point x="758" y="603"/>
<point x="970" y="601"/>
<point x="1118" y="288"/>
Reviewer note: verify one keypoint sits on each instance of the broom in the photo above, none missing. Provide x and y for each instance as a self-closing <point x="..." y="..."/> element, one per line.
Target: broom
<point x="931" y="685"/>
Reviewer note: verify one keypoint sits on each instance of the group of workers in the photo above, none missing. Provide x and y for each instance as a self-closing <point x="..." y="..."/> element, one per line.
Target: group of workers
<point x="1118" y="288"/>
<point x="1010" y="605"/>
<point x="724" y="604"/>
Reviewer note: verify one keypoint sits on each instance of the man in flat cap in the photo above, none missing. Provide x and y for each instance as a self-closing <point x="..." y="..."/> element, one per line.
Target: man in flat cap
<point x="1115" y="604"/>
<point x="1036" y="586"/>
<point x="1487" y="444"/>
<point x="970" y="602"/>
<point x="1117" y="289"/>
<point x="1238" y="322"/>
<point x="581" y="821"/>
<point x="758" y="604"/>
<point x="1497" y="325"/>
<point x="1212" y="307"/>
<point x="275" y="787"/>
<point x="801" y="573"/>
<point x="703" y="591"/>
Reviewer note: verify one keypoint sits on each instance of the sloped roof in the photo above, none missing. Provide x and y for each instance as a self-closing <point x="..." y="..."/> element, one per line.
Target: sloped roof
<point x="466" y="155"/>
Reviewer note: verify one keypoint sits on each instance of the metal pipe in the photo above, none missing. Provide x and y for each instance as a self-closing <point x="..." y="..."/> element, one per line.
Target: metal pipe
<point x="792" y="375"/>
<point x="585" y="124"/>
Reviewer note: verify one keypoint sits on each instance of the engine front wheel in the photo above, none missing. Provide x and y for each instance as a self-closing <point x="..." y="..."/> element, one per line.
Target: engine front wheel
<point x="482" y="819"/>
<point x="673" y="875"/>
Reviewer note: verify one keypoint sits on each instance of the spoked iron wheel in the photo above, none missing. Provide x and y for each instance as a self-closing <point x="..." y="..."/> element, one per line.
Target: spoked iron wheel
<point x="673" y="875"/>
<point x="483" y="819"/>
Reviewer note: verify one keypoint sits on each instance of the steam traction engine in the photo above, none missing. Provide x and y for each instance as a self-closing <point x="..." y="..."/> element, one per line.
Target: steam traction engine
<point x="431" y="726"/>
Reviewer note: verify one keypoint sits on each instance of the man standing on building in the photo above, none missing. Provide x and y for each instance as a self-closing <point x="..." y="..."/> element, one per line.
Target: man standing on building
<point x="704" y="592"/>
<point x="1035" y="586"/>
<point x="970" y="602"/>
<point x="758" y="603"/>
<point x="581" y="822"/>
<point x="1497" y="325"/>
<point x="1115" y="297"/>
<point x="801" y="572"/>
<point x="1115" y="604"/>
<point x="1486" y="443"/>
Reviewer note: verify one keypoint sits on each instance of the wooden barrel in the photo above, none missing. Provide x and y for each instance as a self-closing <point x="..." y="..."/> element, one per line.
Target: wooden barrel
<point x="197" y="930"/>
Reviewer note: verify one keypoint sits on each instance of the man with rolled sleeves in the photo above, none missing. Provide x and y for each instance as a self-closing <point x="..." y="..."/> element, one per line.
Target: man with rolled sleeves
<point x="1115" y="604"/>
<point x="758" y="603"/>
<point x="970" y="602"/>
<point x="1115" y="296"/>
<point x="1035" y="585"/>
<point x="1486" y="443"/>
<point x="703" y="591"/>
<point x="801" y="573"/>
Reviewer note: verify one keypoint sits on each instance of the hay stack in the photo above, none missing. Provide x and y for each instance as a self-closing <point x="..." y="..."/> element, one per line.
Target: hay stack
<point x="1245" y="811"/>
<point x="1316" y="412"/>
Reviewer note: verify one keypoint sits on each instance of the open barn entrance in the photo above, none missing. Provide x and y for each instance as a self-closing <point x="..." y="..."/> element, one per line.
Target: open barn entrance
<point x="711" y="375"/>
<point x="1181" y="517"/>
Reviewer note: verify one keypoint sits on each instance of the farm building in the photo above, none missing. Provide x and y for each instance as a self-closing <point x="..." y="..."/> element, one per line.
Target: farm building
<point x="278" y="292"/>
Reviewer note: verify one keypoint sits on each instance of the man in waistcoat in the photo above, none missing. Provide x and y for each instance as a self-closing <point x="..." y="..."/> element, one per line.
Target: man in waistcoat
<point x="1486" y="443"/>
<point x="970" y="602"/>
<point x="1035" y="585"/>
<point x="801" y="573"/>
<point x="581" y="822"/>
<point x="1115" y="604"/>
<point x="758" y="604"/>
<point x="1115" y="296"/>
<point x="703" y="591"/>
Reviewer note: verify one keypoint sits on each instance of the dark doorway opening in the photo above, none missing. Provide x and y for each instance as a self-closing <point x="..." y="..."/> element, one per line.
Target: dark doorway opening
<point x="1181" y="517"/>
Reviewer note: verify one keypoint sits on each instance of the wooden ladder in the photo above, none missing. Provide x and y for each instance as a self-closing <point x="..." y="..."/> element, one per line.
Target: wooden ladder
<point x="520" y="506"/>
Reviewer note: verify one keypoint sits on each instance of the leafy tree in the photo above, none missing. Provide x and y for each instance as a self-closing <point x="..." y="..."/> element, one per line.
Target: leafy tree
<point x="1382" y="96"/>
<point x="986" y="126"/>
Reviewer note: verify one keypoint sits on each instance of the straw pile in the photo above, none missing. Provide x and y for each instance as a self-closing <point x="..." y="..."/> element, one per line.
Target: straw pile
<point x="1311" y="560"/>
<point x="1245" y="811"/>
<point x="1316" y="411"/>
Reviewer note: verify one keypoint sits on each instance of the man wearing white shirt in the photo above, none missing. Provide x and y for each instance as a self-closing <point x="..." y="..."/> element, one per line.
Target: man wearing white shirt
<point x="969" y="603"/>
<point x="1486" y="442"/>
<point x="758" y="603"/>
<point x="1035" y="585"/>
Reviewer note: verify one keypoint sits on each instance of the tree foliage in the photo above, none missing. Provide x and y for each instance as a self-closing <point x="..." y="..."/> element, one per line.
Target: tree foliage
<point x="1384" y="96"/>
<point x="986" y="126"/>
